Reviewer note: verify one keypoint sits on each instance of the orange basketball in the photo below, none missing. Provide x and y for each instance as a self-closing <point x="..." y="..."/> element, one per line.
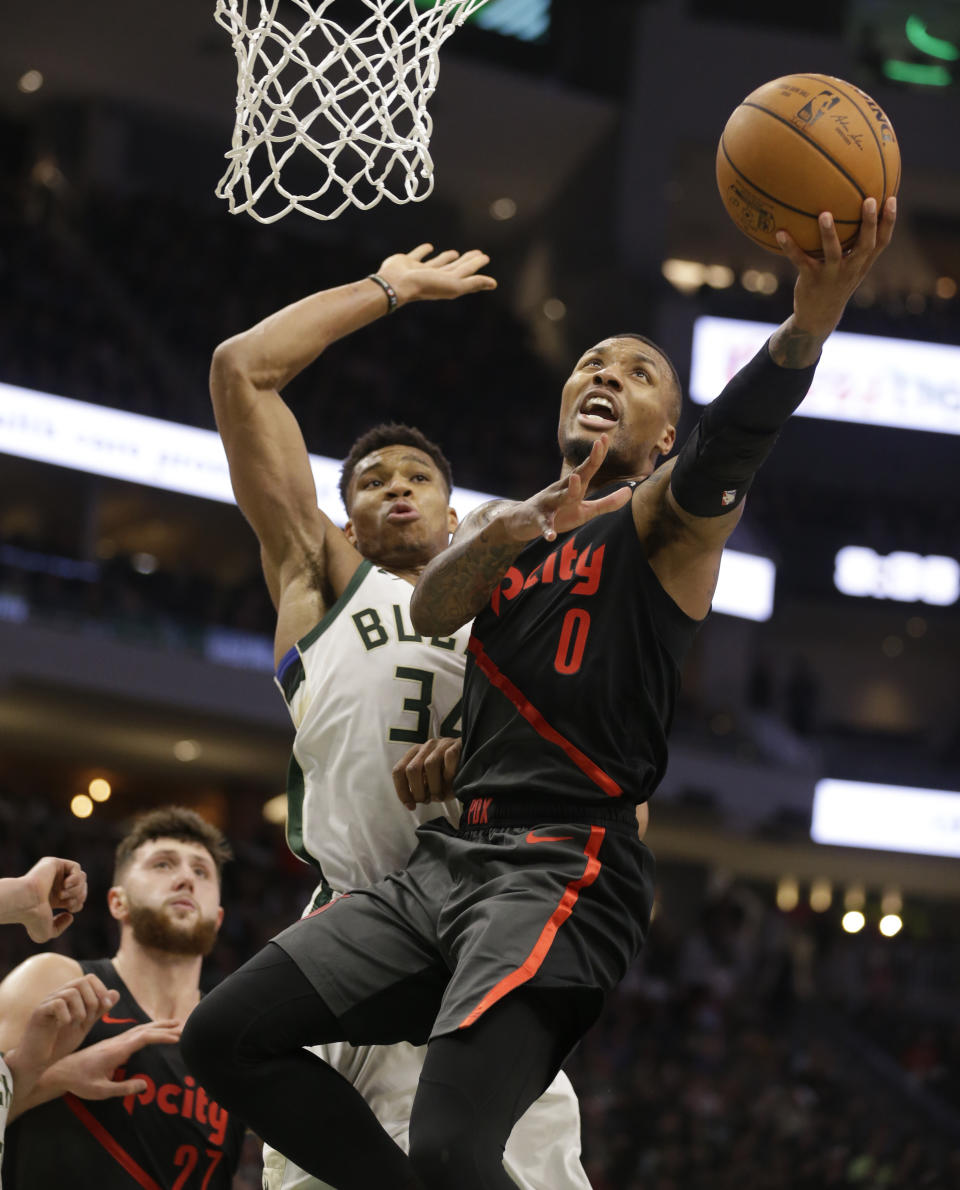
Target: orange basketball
<point x="801" y="145"/>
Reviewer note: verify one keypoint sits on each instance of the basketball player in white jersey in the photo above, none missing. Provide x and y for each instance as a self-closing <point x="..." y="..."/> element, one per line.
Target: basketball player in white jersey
<point x="362" y="687"/>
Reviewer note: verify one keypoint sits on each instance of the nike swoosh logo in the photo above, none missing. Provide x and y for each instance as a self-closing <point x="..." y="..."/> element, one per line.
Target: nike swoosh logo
<point x="118" y="1020"/>
<point x="532" y="838"/>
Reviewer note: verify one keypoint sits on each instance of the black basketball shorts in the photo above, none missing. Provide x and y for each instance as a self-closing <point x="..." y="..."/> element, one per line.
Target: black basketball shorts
<point x="476" y="914"/>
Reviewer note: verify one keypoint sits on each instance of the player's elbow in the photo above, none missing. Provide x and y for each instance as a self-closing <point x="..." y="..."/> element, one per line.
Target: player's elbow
<point x="227" y="364"/>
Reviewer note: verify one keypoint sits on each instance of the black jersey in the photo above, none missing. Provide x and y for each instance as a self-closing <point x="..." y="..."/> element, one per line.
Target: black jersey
<point x="573" y="671"/>
<point x="171" y="1136"/>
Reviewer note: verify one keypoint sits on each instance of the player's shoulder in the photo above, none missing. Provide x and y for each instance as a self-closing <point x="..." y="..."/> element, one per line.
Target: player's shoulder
<point x="38" y="976"/>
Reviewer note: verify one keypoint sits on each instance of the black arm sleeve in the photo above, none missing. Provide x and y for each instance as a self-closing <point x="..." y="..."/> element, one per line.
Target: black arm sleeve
<point x="717" y="463"/>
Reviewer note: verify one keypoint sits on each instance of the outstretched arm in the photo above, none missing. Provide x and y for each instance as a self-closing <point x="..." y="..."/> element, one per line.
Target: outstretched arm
<point x="460" y="580"/>
<point x="717" y="464"/>
<point x="269" y="464"/>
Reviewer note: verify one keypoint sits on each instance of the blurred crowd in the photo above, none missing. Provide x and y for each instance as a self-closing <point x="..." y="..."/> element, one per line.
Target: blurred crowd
<point x="127" y="597"/>
<point x="728" y="1059"/>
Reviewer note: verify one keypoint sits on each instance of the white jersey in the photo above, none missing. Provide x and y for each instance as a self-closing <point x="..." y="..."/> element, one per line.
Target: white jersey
<point x="361" y="688"/>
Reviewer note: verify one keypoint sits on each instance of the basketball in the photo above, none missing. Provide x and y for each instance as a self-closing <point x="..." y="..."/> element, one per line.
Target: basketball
<point x="800" y="145"/>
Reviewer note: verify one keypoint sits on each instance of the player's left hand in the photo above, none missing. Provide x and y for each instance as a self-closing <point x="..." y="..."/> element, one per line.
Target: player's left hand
<point x="825" y="286"/>
<point x="564" y="504"/>
<point x="421" y="276"/>
<point x="425" y="773"/>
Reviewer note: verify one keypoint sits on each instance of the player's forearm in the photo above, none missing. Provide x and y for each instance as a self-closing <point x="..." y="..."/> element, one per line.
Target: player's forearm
<point x="17" y="898"/>
<point x="717" y="463"/>
<point x="457" y="584"/>
<point x="271" y="353"/>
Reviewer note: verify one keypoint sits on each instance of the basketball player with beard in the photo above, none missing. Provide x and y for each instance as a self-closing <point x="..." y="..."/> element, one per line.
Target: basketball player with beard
<point x="123" y="1108"/>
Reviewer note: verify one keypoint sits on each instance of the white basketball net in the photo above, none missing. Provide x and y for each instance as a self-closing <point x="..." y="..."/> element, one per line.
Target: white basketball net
<point x="335" y="92"/>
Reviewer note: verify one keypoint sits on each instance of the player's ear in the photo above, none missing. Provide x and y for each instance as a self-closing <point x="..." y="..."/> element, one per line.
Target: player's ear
<point x="349" y="533"/>
<point x="117" y="903"/>
<point x="667" y="439"/>
<point x="452" y="520"/>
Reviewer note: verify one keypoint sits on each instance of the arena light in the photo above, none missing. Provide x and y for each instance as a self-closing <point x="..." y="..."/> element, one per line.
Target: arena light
<point x="99" y="789"/>
<point x="788" y="894"/>
<point x="886" y="817"/>
<point x="890" y="925"/>
<point x="178" y="458"/>
<point x="29" y="82"/>
<point x="275" y="809"/>
<point x="745" y="586"/>
<point x="187" y="751"/>
<point x="145" y="450"/>
<point x="821" y="895"/>
<point x="920" y="38"/>
<point x="867" y="379"/>
<point x="902" y="576"/>
<point x="853" y="921"/>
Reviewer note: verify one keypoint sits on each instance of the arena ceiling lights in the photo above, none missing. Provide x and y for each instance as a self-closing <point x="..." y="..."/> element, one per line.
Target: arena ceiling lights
<point x="178" y="458"/>
<point x="867" y="379"/>
<point x="886" y="817"/>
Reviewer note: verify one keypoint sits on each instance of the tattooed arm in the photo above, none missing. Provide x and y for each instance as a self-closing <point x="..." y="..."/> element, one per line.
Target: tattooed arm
<point x="458" y="582"/>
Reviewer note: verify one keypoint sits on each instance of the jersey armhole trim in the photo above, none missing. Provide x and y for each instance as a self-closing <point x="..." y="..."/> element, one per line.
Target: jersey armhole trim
<point x="348" y="593"/>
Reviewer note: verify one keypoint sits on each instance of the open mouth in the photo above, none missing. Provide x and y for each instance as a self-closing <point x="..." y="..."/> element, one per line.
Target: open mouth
<point x="401" y="512"/>
<point x="598" y="412"/>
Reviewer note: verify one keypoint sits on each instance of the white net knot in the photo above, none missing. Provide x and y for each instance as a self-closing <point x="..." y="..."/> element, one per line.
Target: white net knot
<point x="335" y="93"/>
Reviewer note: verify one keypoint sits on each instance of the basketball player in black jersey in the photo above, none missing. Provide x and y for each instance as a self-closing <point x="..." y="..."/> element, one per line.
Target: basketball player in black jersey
<point x="499" y="940"/>
<point x="123" y="1111"/>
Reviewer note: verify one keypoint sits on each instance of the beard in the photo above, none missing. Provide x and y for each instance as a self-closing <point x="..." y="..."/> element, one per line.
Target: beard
<point x="153" y="929"/>
<point x="577" y="450"/>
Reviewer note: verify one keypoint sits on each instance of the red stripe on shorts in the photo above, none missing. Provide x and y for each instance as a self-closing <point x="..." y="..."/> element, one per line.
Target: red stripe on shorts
<point x="534" y="960"/>
<point x="116" y="1150"/>
<point x="537" y="721"/>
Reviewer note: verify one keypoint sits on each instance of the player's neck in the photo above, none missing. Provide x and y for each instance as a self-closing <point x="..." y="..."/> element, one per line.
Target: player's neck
<point x="166" y="986"/>
<point x="409" y="574"/>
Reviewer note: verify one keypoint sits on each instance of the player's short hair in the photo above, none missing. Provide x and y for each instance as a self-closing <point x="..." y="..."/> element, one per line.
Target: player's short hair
<point x="676" y="406"/>
<point x="171" y="822"/>
<point x="391" y="434"/>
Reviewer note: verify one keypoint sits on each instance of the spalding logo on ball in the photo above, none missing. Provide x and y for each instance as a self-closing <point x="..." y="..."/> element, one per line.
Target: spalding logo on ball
<point x="800" y="145"/>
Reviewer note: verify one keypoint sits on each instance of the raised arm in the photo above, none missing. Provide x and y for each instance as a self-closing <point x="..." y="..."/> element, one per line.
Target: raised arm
<point x="718" y="462"/>
<point x="269" y="463"/>
<point x="460" y="580"/>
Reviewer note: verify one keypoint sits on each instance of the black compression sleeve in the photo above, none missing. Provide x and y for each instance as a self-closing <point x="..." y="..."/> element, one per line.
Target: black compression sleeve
<point x="717" y="463"/>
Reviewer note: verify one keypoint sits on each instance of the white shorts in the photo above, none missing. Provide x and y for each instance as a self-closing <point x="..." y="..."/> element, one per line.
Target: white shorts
<point x="543" y="1152"/>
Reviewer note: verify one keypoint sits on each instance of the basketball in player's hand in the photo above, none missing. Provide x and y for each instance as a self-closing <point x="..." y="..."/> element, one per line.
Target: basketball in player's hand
<point x="800" y="145"/>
